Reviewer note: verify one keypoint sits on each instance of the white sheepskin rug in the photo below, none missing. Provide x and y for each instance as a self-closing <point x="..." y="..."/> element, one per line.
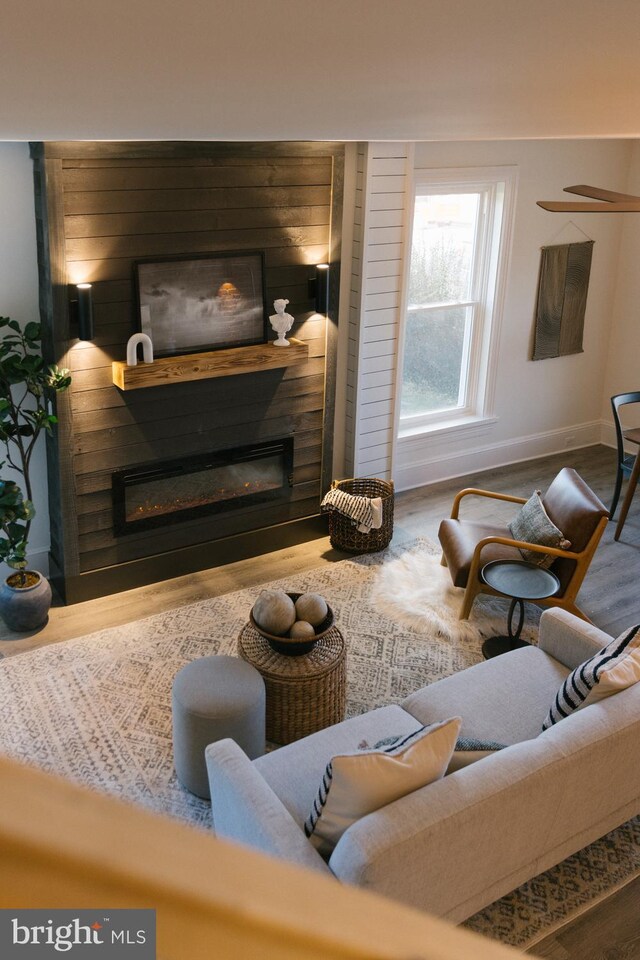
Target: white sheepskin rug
<point x="414" y="589"/>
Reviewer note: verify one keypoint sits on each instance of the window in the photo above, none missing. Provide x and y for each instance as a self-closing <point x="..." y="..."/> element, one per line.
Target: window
<point x="451" y="295"/>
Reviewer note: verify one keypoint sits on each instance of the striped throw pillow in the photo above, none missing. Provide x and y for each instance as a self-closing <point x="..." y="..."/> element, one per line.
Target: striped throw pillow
<point x="614" y="668"/>
<point x="355" y="784"/>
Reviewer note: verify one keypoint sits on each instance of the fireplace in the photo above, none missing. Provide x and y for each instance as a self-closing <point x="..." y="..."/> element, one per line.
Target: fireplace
<point x="172" y="491"/>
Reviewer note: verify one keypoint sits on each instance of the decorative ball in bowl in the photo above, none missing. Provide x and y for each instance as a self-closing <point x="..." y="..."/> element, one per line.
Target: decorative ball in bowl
<point x="291" y="623"/>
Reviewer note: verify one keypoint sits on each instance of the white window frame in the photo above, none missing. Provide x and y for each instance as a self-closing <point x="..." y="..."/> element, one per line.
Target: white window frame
<point x="479" y="369"/>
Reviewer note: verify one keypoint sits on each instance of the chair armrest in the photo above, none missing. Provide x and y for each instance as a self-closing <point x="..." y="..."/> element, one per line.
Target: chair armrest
<point x="476" y="561"/>
<point x="473" y="491"/>
<point x="568" y="638"/>
<point x="525" y="545"/>
<point x="245" y="808"/>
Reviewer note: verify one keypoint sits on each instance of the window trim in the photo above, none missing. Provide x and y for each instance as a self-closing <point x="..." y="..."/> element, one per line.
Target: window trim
<point x="483" y="371"/>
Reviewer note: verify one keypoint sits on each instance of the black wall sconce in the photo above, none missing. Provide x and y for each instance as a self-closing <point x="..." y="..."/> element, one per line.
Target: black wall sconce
<point x="319" y="288"/>
<point x="82" y="307"/>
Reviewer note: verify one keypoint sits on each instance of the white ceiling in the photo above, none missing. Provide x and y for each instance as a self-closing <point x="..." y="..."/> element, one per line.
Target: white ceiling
<point x="329" y="69"/>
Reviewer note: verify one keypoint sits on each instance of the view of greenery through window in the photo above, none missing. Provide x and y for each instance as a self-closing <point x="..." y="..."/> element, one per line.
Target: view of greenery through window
<point x="439" y="312"/>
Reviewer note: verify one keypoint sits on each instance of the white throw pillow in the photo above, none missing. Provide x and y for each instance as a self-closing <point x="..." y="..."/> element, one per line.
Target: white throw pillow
<point x="355" y="784"/>
<point x="614" y="668"/>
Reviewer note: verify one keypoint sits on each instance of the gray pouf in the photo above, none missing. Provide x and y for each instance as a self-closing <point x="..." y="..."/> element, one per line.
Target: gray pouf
<point x="214" y="698"/>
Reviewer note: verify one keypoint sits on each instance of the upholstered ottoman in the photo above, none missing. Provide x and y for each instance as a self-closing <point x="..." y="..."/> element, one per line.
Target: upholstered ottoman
<point x="214" y="698"/>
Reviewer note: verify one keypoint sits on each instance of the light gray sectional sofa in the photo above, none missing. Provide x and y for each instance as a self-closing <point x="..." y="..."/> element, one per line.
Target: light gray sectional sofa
<point x="458" y="844"/>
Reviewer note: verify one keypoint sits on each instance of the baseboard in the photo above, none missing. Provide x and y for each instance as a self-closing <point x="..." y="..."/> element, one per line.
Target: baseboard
<point x="608" y="434"/>
<point x="421" y="461"/>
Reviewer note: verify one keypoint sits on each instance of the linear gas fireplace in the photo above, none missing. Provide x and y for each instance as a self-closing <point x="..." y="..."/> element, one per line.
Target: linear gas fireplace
<point x="171" y="491"/>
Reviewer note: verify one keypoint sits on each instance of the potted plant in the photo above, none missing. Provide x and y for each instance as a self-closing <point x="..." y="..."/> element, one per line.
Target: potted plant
<point x="27" y="387"/>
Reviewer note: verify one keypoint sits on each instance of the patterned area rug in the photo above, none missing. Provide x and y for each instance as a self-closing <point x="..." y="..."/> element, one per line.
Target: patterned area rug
<point x="98" y="709"/>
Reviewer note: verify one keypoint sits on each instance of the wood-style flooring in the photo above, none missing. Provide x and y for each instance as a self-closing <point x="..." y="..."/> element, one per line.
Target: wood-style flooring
<point x="609" y="596"/>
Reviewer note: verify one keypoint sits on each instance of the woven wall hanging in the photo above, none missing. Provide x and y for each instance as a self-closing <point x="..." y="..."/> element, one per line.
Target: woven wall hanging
<point x="562" y="299"/>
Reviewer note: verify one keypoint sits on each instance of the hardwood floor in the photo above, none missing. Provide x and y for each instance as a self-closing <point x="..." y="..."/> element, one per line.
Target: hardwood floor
<point x="609" y="931"/>
<point x="609" y="596"/>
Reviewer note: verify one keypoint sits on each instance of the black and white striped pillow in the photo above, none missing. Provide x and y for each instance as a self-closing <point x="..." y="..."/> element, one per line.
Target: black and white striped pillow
<point x="613" y="668"/>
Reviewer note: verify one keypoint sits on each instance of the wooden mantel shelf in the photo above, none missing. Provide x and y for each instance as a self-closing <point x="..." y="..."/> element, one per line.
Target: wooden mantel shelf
<point x="204" y="366"/>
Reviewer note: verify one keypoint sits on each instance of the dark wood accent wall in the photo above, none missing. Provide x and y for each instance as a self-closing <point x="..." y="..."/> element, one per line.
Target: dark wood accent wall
<point x="100" y="207"/>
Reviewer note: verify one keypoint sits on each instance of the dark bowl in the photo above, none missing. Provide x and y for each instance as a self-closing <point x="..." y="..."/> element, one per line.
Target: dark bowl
<point x="290" y="646"/>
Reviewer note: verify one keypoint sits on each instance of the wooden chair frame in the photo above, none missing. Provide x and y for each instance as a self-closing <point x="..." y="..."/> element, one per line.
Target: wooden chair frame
<point x="566" y="599"/>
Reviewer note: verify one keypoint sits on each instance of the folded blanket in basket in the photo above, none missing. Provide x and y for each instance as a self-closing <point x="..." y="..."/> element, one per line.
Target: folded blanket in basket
<point x="366" y="512"/>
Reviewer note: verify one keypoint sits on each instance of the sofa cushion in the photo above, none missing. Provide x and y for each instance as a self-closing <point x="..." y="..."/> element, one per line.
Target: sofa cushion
<point x="355" y="784"/>
<point x="532" y="525"/>
<point x="294" y="772"/>
<point x="504" y="699"/>
<point x="614" y="668"/>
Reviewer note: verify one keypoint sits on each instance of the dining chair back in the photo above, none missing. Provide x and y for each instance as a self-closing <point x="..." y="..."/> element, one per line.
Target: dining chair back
<point x="625" y="460"/>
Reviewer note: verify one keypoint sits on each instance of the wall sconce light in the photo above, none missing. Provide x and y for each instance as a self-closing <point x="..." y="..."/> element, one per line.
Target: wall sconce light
<point x="83" y="303"/>
<point x="319" y="288"/>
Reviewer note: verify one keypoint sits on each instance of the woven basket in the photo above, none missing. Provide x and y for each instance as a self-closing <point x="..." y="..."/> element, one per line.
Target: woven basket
<point x="344" y="535"/>
<point x="304" y="694"/>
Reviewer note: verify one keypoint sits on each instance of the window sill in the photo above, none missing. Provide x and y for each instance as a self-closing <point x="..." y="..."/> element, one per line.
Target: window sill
<point x="452" y="428"/>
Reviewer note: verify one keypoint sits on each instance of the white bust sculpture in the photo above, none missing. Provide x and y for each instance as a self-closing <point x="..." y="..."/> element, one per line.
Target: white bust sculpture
<point x="281" y="322"/>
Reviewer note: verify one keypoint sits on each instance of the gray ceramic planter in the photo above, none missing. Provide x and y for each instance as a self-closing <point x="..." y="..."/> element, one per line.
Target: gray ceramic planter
<point x="25" y="608"/>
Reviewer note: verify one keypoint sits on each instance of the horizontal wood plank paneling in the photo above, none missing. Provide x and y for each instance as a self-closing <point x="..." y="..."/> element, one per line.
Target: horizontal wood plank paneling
<point x="130" y="224"/>
<point x="375" y="306"/>
<point x="165" y="448"/>
<point x="217" y="198"/>
<point x="201" y="241"/>
<point x="171" y="152"/>
<point x="189" y="176"/>
<point x="181" y="423"/>
<point x="385" y="268"/>
<point x="121" y="203"/>
<point x="185" y="534"/>
<point x="121" y="269"/>
<point x="303" y="393"/>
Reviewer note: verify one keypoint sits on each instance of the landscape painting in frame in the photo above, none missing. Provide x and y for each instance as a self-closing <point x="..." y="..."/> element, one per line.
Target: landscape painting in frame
<point x="200" y="303"/>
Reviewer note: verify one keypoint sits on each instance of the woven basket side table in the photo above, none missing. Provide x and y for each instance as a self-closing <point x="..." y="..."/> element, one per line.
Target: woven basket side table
<point x="304" y="694"/>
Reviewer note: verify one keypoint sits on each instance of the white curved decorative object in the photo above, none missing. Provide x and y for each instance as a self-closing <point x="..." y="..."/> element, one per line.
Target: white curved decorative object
<point x="132" y="345"/>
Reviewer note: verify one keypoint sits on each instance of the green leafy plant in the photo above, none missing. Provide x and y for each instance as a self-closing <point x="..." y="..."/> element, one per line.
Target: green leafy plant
<point x="27" y="387"/>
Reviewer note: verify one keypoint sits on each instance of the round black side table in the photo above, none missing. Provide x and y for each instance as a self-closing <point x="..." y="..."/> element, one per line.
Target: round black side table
<point x="520" y="580"/>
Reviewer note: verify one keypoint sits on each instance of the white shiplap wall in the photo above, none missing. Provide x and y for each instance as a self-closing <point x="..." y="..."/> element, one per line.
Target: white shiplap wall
<point x="384" y="181"/>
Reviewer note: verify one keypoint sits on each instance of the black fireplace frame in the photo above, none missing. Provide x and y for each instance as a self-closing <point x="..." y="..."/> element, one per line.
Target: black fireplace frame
<point x="121" y="480"/>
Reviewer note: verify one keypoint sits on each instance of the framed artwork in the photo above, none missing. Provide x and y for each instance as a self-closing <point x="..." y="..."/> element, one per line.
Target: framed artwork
<point x="202" y="302"/>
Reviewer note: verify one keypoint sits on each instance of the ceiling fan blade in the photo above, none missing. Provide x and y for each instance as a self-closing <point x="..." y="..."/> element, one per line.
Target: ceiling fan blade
<point x="565" y="206"/>
<point x="597" y="193"/>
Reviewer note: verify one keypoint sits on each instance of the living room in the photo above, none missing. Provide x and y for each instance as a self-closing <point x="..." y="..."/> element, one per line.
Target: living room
<point x="555" y="409"/>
